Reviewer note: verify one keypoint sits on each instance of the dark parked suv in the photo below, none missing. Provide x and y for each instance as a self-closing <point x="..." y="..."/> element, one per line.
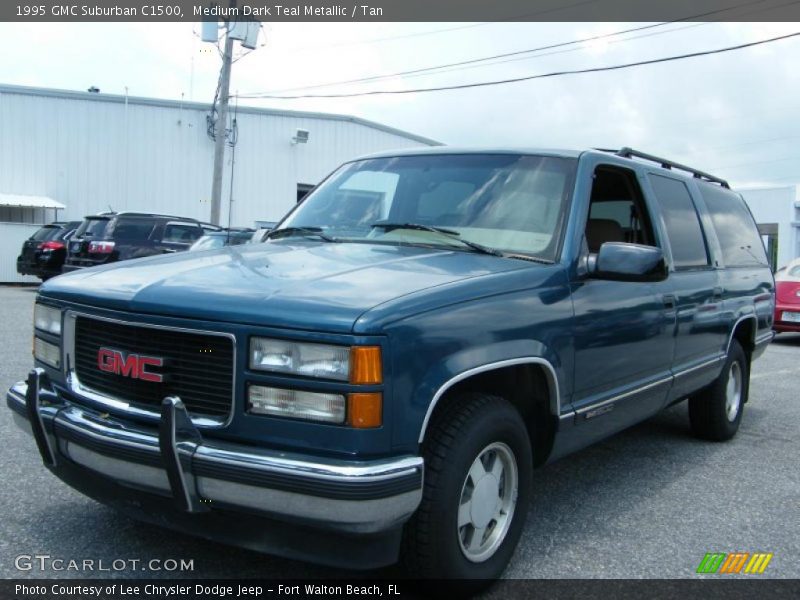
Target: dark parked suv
<point x="111" y="237"/>
<point x="43" y="253"/>
<point x="410" y="342"/>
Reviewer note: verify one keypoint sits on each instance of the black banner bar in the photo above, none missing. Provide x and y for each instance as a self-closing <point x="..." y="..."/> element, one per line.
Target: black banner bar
<point x="371" y="11"/>
<point x="706" y="588"/>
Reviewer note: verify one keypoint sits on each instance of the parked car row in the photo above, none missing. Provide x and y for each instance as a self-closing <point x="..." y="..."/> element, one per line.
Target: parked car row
<point x="110" y="237"/>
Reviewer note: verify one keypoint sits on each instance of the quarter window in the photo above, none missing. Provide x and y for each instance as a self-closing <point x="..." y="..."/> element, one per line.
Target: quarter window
<point x="684" y="230"/>
<point x="135" y="229"/>
<point x="736" y="230"/>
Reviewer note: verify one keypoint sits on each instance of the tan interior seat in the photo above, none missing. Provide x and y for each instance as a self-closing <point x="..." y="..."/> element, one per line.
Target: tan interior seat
<point x="599" y="231"/>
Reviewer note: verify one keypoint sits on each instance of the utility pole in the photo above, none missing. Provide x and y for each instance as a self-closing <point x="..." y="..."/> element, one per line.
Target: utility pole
<point x="220" y="126"/>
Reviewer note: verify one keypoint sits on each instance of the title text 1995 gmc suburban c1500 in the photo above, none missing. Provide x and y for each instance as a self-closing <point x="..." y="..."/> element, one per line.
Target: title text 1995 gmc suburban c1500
<point x="381" y="376"/>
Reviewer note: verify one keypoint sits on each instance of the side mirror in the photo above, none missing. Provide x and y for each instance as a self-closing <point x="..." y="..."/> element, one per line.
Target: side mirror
<point x="618" y="261"/>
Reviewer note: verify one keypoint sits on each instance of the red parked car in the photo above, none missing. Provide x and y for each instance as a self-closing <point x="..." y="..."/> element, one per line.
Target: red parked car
<point x="787" y="304"/>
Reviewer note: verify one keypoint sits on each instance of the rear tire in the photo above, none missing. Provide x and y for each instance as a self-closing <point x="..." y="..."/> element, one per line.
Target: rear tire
<point x="478" y="468"/>
<point x="716" y="412"/>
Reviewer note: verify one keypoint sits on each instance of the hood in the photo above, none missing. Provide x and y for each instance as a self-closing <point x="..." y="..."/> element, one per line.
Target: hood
<point x="304" y="285"/>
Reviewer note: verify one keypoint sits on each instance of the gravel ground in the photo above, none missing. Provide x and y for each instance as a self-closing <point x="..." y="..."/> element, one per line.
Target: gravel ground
<point x="646" y="503"/>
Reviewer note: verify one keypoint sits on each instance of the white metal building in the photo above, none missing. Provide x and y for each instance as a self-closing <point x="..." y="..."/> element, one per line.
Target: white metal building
<point x="75" y="153"/>
<point x="777" y="212"/>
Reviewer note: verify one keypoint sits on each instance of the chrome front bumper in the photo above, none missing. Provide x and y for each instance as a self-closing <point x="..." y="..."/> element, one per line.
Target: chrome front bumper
<point x="203" y="474"/>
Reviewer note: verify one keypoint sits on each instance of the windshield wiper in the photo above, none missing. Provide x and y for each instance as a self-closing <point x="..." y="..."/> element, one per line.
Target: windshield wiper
<point x="450" y="233"/>
<point x="308" y="231"/>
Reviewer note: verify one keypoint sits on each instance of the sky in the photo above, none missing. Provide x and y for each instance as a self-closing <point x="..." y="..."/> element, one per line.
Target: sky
<point x="733" y="114"/>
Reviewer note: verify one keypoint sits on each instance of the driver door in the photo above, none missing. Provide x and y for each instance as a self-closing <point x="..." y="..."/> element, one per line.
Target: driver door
<point x="624" y="330"/>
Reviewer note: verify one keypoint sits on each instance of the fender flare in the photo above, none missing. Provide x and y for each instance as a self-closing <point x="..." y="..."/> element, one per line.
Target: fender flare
<point x="552" y="382"/>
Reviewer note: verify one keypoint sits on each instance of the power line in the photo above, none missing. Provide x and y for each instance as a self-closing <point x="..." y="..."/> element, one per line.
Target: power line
<point x="391" y="38"/>
<point x="464" y="62"/>
<point x="628" y="39"/>
<point x="446" y="29"/>
<point x="489" y="59"/>
<point x="555" y="52"/>
<point x="529" y="77"/>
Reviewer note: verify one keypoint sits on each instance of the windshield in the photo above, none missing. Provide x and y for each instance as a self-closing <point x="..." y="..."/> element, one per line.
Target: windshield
<point x="789" y="273"/>
<point x="511" y="203"/>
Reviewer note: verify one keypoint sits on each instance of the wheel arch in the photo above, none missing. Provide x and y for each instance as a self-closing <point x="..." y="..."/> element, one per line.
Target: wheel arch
<point x="744" y="331"/>
<point x="529" y="383"/>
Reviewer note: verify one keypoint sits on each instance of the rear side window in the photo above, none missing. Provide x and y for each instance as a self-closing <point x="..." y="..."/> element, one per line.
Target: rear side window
<point x="95" y="228"/>
<point x="179" y="233"/>
<point x="132" y="229"/>
<point x="684" y="231"/>
<point x="737" y="232"/>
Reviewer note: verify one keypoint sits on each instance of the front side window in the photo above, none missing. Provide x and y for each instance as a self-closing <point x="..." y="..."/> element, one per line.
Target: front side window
<point x="682" y="222"/>
<point x="511" y="203"/>
<point x="617" y="212"/>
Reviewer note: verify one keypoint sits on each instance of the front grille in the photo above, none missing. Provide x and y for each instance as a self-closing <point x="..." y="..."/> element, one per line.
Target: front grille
<point x="197" y="367"/>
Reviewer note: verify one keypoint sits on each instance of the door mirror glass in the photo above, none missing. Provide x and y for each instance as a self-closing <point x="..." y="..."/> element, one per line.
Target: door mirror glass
<point x="619" y="261"/>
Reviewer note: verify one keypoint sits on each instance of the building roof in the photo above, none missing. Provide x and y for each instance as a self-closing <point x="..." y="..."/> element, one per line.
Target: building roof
<point x="121" y="99"/>
<point x="19" y="200"/>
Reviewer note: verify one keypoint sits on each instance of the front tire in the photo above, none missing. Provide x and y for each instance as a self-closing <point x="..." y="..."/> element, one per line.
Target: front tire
<point x="478" y="468"/>
<point x="716" y="412"/>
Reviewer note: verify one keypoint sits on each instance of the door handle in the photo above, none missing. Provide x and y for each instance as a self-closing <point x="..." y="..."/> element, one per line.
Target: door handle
<point x="669" y="301"/>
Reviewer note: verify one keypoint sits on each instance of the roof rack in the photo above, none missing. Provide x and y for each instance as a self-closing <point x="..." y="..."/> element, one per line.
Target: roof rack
<point x="132" y="213"/>
<point x="666" y="164"/>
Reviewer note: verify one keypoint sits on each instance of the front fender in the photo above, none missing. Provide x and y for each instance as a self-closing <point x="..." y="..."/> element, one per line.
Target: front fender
<point x="474" y="361"/>
<point x="433" y="351"/>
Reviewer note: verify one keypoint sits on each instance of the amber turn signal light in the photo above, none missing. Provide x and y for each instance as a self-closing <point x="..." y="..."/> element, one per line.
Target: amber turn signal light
<point x="365" y="365"/>
<point x="365" y="410"/>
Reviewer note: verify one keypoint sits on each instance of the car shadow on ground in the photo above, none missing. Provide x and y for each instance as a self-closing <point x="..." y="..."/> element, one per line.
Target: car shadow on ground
<point x="787" y="339"/>
<point x="558" y="504"/>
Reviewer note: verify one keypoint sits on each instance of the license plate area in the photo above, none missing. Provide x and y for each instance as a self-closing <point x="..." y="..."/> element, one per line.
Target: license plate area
<point x="790" y="317"/>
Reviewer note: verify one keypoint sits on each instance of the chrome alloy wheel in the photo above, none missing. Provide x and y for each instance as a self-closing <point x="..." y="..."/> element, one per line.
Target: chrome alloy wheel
<point x="488" y="499"/>
<point x="733" y="392"/>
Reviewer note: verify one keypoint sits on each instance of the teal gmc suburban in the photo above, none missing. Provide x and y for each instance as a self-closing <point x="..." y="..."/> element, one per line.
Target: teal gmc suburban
<point x="381" y="377"/>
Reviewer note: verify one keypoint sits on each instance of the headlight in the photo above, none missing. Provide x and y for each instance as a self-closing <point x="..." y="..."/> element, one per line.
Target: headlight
<point x="47" y="352"/>
<point x="357" y="364"/>
<point x="47" y="318"/>
<point x="311" y="406"/>
<point x="311" y="360"/>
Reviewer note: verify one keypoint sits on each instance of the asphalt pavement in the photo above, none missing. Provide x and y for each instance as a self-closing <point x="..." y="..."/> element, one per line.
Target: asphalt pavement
<point x="649" y="502"/>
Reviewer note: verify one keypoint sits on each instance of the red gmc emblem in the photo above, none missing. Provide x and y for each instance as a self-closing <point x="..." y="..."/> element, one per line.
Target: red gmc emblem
<point x="129" y="365"/>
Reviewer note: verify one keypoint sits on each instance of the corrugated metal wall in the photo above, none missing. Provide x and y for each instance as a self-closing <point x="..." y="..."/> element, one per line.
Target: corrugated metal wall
<point x="94" y="155"/>
<point x="11" y="237"/>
